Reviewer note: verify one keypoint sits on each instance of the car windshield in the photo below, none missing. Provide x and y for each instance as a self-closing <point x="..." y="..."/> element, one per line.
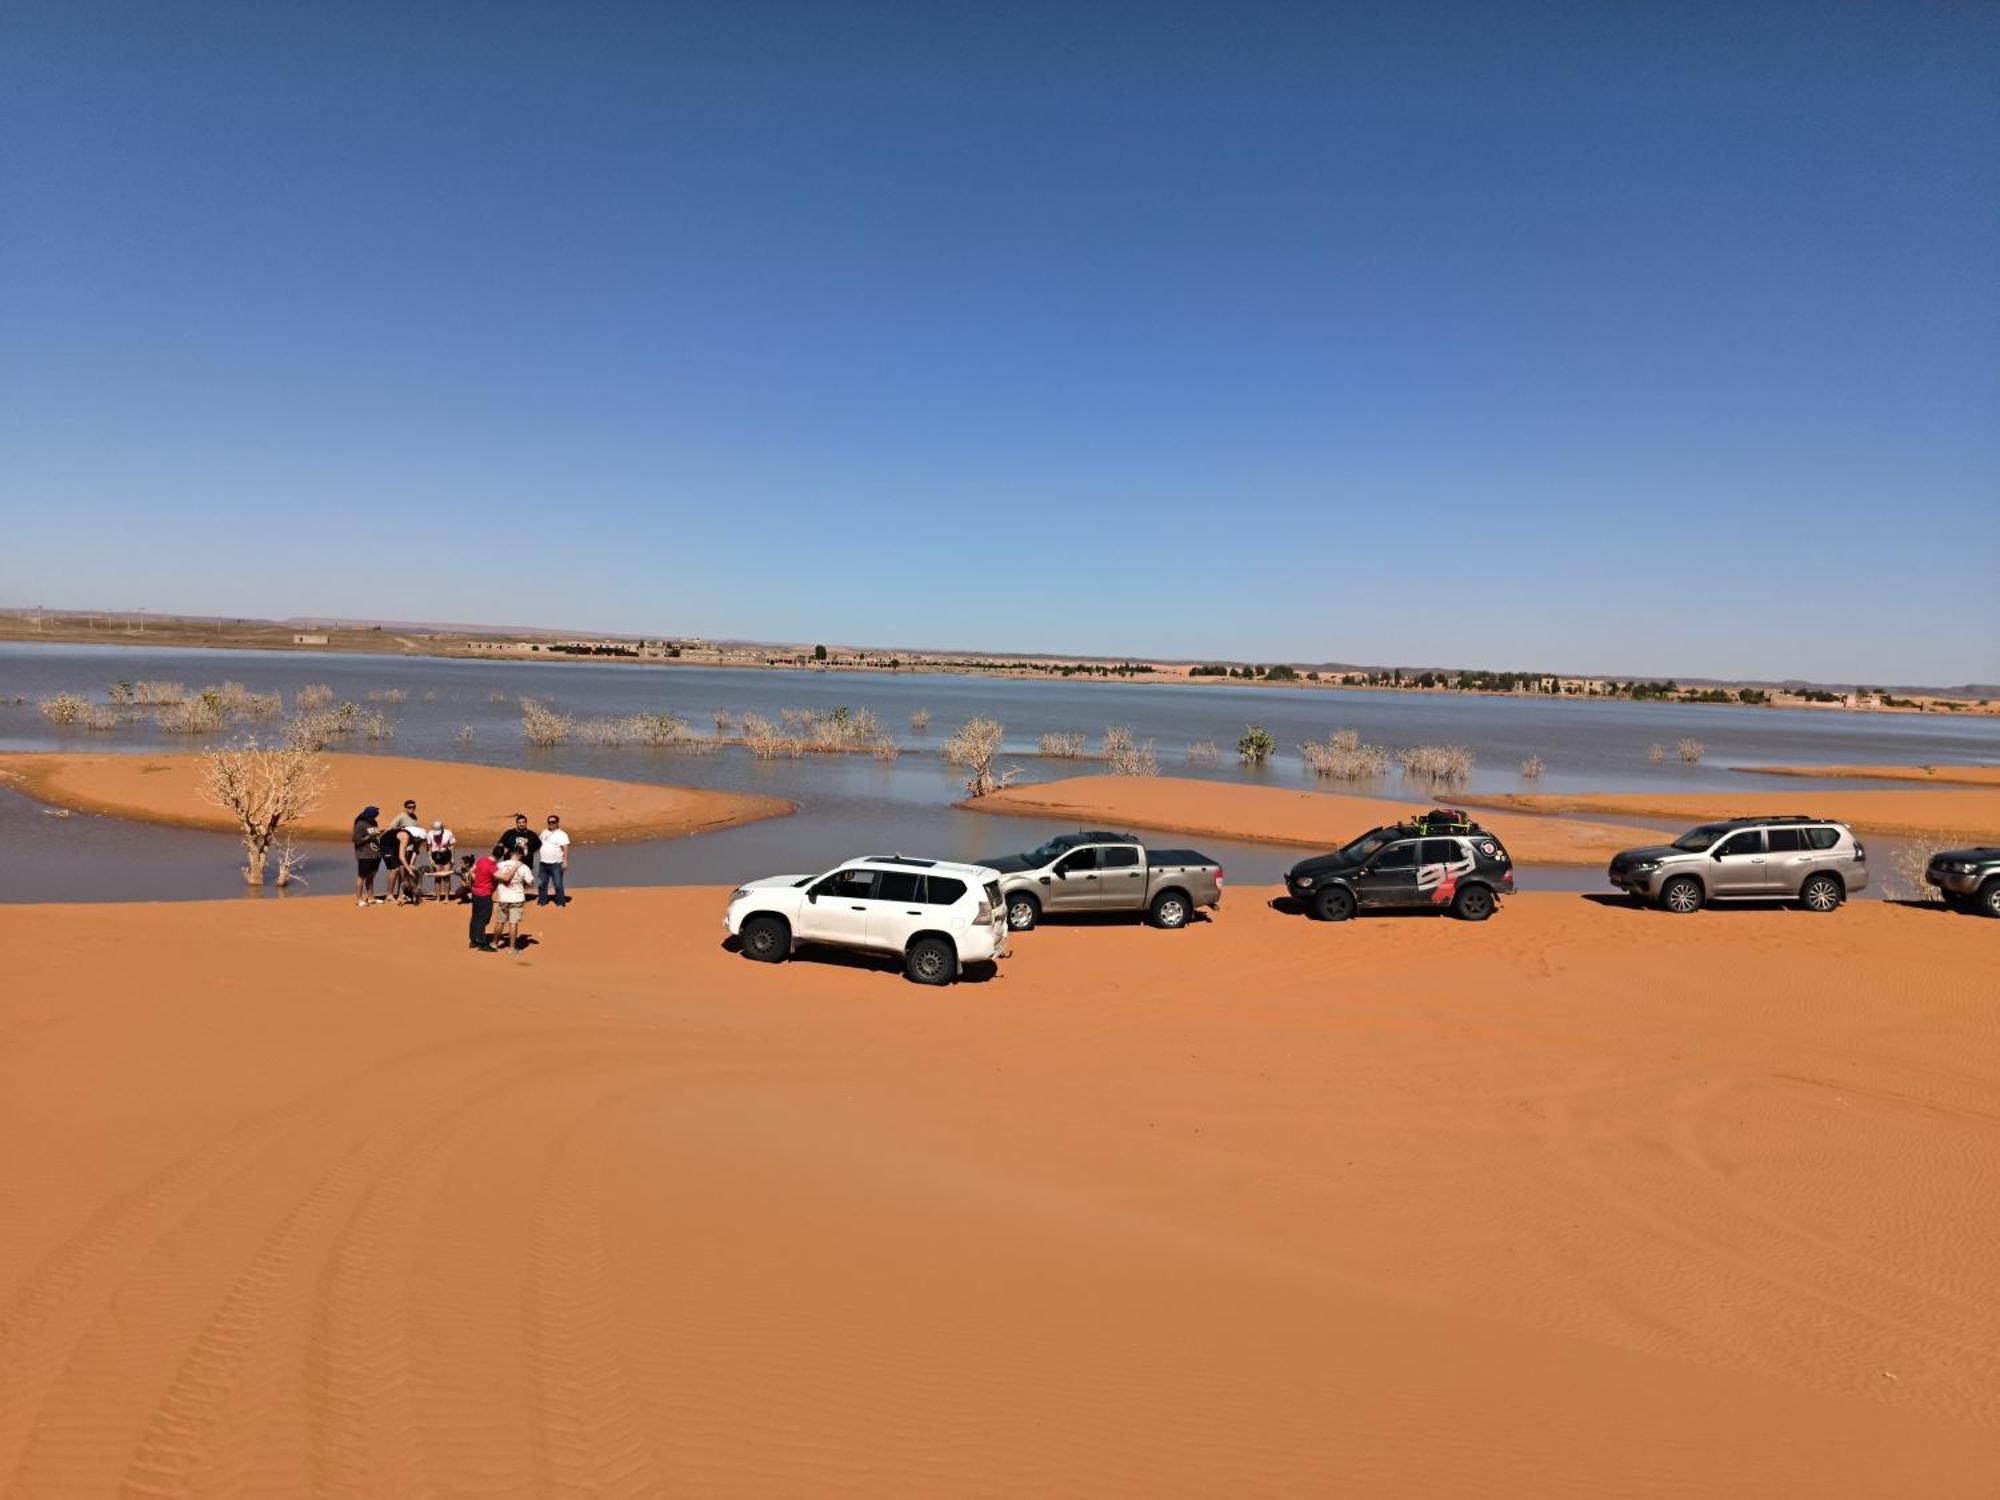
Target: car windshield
<point x="1697" y="839"/>
<point x="1048" y="851"/>
<point x="1368" y="843"/>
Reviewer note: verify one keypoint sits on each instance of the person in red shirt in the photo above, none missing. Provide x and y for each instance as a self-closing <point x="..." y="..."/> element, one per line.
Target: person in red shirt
<point x="482" y="899"/>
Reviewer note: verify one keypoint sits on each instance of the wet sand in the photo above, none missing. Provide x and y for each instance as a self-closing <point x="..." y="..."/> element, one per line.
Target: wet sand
<point x="1922" y="775"/>
<point x="1400" y="1207"/>
<point x="1274" y="815"/>
<point x="1956" y="815"/>
<point x="476" y="802"/>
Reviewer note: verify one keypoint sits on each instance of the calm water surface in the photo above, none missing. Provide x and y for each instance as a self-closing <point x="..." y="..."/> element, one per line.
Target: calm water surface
<point x="854" y="804"/>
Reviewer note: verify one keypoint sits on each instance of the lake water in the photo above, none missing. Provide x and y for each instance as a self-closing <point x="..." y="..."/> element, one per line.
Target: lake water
<point x="854" y="804"/>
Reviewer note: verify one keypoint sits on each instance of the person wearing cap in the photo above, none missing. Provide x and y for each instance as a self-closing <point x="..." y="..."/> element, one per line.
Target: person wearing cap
<point x="439" y="842"/>
<point x="367" y="856"/>
<point x="552" y="863"/>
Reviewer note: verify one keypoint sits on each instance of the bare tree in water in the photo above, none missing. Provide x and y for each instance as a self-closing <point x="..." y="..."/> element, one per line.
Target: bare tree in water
<point x="265" y="788"/>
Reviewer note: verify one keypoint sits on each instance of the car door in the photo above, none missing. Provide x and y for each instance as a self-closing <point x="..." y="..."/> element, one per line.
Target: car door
<point x="1791" y="858"/>
<point x="1738" y="866"/>
<point x="1075" y="885"/>
<point x="897" y="910"/>
<point x="1391" y="877"/>
<point x="1121" y="877"/>
<point x="838" y="908"/>
<point x="1439" y="864"/>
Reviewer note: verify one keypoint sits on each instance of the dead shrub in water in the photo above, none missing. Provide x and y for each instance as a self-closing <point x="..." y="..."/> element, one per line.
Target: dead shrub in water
<point x="972" y="746"/>
<point x="1117" y="738"/>
<point x="1063" y="745"/>
<point x="313" y="695"/>
<point x="885" y="749"/>
<point x="1256" y="745"/>
<point x="494" y="695"/>
<point x="464" y="737"/>
<point x="1531" y="768"/>
<point x="158" y="694"/>
<point x="1204" y="753"/>
<point x="1134" y="760"/>
<point x="266" y="788"/>
<point x="316" y="728"/>
<point x="723" y="722"/>
<point x="633" y="729"/>
<point x="190" y="716"/>
<point x="920" y="720"/>
<point x="1657" y="754"/>
<point x="542" y="725"/>
<point x="1344" y="758"/>
<point x="1690" y="752"/>
<point x="386" y="695"/>
<point x="66" y="709"/>
<point x="767" y="741"/>
<point x="1437" y="765"/>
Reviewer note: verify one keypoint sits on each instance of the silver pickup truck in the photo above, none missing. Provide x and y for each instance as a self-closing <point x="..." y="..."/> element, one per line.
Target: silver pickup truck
<point x="1091" y="872"/>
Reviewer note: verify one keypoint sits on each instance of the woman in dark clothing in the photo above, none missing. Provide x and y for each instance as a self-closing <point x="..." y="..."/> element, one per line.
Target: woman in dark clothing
<point x="367" y="856"/>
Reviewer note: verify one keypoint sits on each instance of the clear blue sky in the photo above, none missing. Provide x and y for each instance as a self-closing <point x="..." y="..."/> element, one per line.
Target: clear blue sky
<point x="1163" y="328"/>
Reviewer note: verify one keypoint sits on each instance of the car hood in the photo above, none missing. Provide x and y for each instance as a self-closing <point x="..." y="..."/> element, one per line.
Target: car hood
<point x="1007" y="864"/>
<point x="1321" y="864"/>
<point x="1629" y="857"/>
<point x="770" y="881"/>
<point x="1970" y="856"/>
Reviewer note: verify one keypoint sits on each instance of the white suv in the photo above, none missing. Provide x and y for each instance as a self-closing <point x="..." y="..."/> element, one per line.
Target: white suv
<point x="936" y="917"/>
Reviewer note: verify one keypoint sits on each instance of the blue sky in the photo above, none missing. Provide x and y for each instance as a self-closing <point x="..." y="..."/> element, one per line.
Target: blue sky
<point x="1176" y="328"/>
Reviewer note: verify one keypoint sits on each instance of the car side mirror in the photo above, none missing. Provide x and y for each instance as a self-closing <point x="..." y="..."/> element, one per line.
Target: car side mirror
<point x="813" y="894"/>
<point x="1717" y="856"/>
<point x="1061" y="873"/>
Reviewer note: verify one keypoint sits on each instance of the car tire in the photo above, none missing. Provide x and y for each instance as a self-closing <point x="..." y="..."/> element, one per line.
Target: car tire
<point x="1821" y="893"/>
<point x="1681" y="895"/>
<point x="1473" y="903"/>
<point x="1333" y="903"/>
<point x="1169" y="911"/>
<point x="1987" y="902"/>
<point x="930" y="961"/>
<point x="1023" y="912"/>
<point x="766" y="940"/>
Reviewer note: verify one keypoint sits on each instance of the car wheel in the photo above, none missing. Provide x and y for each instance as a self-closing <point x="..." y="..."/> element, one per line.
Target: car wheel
<point x="766" y="940"/>
<point x="1023" y="912"/>
<point x="1474" y="903"/>
<point x="1821" y="893"/>
<point x="1170" y="910"/>
<point x="1334" y="903"/>
<point x="1681" y="895"/>
<point x="1988" y="899"/>
<point x="931" y="961"/>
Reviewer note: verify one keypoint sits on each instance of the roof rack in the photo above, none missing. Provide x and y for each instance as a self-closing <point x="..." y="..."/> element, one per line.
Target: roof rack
<point x="900" y="859"/>
<point x="1781" y="818"/>
<point x="1454" y="819"/>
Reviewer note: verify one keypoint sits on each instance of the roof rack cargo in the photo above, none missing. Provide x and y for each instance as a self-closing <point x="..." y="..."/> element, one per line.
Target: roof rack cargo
<point x="1451" y="819"/>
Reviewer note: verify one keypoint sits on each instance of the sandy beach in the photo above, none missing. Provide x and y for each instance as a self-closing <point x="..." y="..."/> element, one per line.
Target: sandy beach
<point x="1962" y="814"/>
<point x="1404" y="1207"/>
<point x="1274" y="815"/>
<point x="470" y="798"/>
<point x="1922" y="775"/>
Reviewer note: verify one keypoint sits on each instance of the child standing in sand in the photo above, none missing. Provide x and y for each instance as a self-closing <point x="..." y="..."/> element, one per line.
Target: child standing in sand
<point x="510" y="894"/>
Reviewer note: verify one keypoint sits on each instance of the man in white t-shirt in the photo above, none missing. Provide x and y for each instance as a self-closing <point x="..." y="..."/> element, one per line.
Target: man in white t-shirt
<point x="552" y="864"/>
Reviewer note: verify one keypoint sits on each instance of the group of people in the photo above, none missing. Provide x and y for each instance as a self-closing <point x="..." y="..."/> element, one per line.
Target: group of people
<point x="495" y="885"/>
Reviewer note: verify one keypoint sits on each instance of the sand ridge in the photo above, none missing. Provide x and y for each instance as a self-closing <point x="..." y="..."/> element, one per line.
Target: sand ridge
<point x="1921" y="775"/>
<point x="477" y="802"/>
<point x="1276" y="815"/>
<point x="1957" y="815"/>
<point x="1403" y="1207"/>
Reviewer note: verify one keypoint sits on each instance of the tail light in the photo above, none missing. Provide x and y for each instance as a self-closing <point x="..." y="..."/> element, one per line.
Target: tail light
<point x="1218" y="877"/>
<point x="1860" y="853"/>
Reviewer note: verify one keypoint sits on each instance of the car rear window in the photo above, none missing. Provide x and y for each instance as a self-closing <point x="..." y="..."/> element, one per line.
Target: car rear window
<point x="1439" y="852"/>
<point x="1821" y="838"/>
<point x="942" y="890"/>
<point x="1118" y="857"/>
<point x="1786" y="840"/>
<point x="898" y="885"/>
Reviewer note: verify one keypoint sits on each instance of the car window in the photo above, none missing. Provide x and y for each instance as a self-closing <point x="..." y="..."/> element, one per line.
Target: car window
<point x="1439" y="852"/>
<point x="1749" y="841"/>
<point x="897" y="885"/>
<point x="1118" y="857"/>
<point x="1396" y="857"/>
<point x="851" y="885"/>
<point x="1697" y="839"/>
<point x="1081" y="859"/>
<point x="942" y="890"/>
<point x="1822" y="838"/>
<point x="1787" y="840"/>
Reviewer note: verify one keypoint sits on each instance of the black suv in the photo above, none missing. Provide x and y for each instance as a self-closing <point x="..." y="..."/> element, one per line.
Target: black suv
<point x="1968" y="879"/>
<point x="1440" y="860"/>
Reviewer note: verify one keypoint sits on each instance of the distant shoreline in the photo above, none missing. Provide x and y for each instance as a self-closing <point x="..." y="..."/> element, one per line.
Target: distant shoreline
<point x="183" y="635"/>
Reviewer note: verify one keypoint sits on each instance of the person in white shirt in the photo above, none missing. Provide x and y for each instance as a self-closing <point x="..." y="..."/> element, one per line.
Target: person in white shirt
<point x="552" y="864"/>
<point x="510" y="897"/>
<point x="439" y="842"/>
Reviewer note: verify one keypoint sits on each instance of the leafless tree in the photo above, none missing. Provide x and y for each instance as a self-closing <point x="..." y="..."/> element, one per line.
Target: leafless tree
<point x="265" y="788"/>
<point x="973" y="747"/>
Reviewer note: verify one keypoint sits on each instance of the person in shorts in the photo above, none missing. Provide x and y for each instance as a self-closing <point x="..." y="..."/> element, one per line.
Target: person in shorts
<point x="438" y="844"/>
<point x="510" y="896"/>
<point x="367" y="856"/>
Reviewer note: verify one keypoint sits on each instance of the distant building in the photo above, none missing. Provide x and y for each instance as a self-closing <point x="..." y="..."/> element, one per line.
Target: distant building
<point x="308" y="640"/>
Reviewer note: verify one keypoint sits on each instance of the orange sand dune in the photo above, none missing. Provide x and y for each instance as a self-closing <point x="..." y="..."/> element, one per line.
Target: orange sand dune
<point x="1398" y="1208"/>
<point x="1271" y="815"/>
<point x="1929" y="775"/>
<point x="1950" y="814"/>
<point x="481" y="799"/>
